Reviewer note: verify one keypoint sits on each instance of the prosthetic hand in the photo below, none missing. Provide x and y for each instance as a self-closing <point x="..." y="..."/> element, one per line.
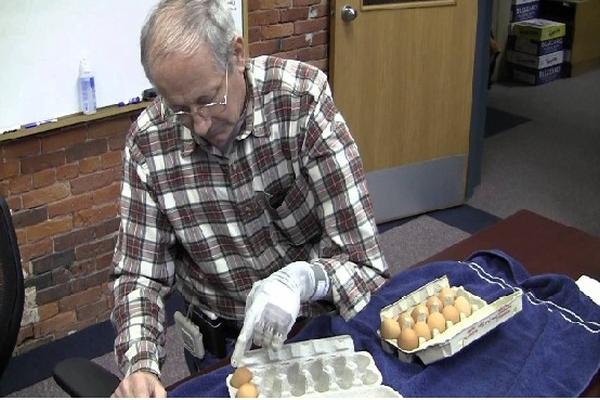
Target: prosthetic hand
<point x="274" y="303"/>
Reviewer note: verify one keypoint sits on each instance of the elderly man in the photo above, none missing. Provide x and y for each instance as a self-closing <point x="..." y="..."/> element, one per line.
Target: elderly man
<point x="242" y="188"/>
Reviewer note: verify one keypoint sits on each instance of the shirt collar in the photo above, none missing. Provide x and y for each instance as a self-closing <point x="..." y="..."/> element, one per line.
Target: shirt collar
<point x="253" y="105"/>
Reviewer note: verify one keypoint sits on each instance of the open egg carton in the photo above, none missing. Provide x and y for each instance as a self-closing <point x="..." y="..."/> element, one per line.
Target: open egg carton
<point x="483" y="318"/>
<point x="327" y="367"/>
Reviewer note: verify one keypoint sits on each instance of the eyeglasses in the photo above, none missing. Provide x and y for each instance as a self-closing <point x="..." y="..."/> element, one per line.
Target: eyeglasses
<point x="186" y="118"/>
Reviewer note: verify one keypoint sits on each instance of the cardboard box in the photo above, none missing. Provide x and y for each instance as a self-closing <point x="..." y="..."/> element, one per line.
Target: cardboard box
<point x="535" y="47"/>
<point x="538" y="29"/>
<point x="519" y="2"/>
<point x="536" y="62"/>
<point x="537" y="76"/>
<point x="524" y="11"/>
<point x="483" y="319"/>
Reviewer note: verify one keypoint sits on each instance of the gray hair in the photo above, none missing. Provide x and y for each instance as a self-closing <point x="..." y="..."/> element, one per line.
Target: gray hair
<point x="183" y="26"/>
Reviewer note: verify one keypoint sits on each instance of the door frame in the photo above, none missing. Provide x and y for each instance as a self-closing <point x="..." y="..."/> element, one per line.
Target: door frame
<point x="480" y="95"/>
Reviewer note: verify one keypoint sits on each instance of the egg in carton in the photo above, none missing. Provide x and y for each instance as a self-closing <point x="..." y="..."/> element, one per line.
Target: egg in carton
<point x="327" y="367"/>
<point x="469" y="323"/>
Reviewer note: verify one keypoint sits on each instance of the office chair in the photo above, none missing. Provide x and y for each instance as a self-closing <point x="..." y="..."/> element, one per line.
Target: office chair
<point x="82" y="377"/>
<point x="12" y="291"/>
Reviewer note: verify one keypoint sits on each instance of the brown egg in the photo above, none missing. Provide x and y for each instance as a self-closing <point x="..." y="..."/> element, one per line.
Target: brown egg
<point x="240" y="376"/>
<point x="451" y="313"/>
<point x="436" y="321"/>
<point x="434" y="304"/>
<point x="389" y="328"/>
<point x="247" y="390"/>
<point x="446" y="296"/>
<point x="422" y="330"/>
<point x="462" y="305"/>
<point x="408" y="339"/>
<point x="420" y="312"/>
<point x="405" y="320"/>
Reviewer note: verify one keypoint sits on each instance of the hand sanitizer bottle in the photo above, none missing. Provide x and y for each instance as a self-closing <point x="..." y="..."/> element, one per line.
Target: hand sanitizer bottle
<point x="87" y="88"/>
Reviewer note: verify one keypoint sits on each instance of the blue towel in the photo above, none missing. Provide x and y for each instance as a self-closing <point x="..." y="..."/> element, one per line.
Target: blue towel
<point x="551" y="348"/>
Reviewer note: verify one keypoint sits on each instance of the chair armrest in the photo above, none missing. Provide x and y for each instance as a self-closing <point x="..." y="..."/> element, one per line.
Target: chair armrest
<point x="80" y="377"/>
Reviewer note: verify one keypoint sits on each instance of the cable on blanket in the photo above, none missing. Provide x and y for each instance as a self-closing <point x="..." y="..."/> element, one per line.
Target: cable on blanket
<point x="486" y="276"/>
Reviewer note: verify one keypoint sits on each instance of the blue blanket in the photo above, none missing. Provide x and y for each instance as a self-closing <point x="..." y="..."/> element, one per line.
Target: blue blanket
<point x="551" y="348"/>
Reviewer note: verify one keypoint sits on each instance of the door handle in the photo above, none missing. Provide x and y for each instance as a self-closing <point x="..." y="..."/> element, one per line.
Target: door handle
<point x="349" y="14"/>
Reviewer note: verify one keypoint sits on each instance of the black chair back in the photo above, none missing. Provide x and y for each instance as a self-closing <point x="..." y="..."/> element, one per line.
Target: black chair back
<point x="12" y="292"/>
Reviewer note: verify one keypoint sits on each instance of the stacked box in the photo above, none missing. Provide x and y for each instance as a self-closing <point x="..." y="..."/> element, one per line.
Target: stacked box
<point x="562" y="11"/>
<point x="538" y="29"/>
<point x="536" y="50"/>
<point x="535" y="61"/>
<point x="537" y="76"/>
<point x="522" y="10"/>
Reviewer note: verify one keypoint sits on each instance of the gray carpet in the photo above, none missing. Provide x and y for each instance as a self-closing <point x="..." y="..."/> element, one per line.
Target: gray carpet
<point x="542" y="153"/>
<point x="550" y="164"/>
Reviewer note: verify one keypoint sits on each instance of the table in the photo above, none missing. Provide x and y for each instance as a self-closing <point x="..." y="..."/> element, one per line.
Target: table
<point x="539" y="243"/>
<point x="543" y="245"/>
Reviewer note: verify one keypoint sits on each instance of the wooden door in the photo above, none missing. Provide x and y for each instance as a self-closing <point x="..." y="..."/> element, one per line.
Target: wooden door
<point x="401" y="74"/>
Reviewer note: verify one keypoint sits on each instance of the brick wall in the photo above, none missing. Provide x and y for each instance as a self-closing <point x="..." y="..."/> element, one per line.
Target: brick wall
<point x="295" y="29"/>
<point x="63" y="187"/>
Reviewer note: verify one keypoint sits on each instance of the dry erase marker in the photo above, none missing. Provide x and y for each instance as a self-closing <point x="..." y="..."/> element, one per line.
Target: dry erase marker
<point x="133" y="100"/>
<point x="9" y="129"/>
<point x="38" y="123"/>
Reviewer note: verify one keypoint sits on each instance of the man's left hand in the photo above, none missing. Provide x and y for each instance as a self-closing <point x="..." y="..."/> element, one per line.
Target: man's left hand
<point x="273" y="306"/>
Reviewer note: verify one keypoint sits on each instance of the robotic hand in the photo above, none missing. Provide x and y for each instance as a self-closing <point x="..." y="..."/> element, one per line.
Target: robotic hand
<point x="274" y="303"/>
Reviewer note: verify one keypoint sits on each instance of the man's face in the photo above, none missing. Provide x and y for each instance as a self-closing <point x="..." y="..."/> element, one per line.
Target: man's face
<point x="187" y="83"/>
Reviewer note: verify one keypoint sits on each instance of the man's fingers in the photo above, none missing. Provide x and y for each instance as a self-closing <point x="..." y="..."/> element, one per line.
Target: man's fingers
<point x="140" y="384"/>
<point x="159" y="391"/>
<point x="242" y="345"/>
<point x="267" y="338"/>
<point x="278" y="340"/>
<point x="244" y="340"/>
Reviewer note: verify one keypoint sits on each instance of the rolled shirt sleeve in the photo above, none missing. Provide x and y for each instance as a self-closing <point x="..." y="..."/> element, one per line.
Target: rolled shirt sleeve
<point x="144" y="271"/>
<point x="349" y="249"/>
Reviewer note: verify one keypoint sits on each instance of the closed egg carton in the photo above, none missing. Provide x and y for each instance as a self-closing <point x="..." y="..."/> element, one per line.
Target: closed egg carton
<point x="314" y="376"/>
<point x="456" y="336"/>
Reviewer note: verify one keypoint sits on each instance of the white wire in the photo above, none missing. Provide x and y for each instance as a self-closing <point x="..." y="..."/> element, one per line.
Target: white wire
<point x="576" y="319"/>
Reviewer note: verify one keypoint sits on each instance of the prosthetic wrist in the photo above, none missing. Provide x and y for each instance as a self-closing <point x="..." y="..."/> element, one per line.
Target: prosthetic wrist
<point x="311" y="280"/>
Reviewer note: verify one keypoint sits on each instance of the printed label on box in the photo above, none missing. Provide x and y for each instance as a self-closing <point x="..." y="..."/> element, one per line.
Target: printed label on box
<point x="522" y="12"/>
<point x="538" y="29"/>
<point x="537" y="62"/>
<point x="538" y="48"/>
<point x="536" y="76"/>
<point x="517" y="2"/>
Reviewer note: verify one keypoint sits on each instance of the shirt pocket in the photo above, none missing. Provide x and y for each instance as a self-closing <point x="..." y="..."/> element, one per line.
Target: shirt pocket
<point x="293" y="214"/>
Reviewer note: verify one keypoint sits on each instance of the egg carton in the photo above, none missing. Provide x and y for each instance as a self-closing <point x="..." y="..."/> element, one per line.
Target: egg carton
<point x="292" y="351"/>
<point x="326" y="367"/>
<point x="484" y="317"/>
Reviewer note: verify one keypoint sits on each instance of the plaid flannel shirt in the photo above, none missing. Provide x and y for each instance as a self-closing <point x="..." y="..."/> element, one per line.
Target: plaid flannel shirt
<point x="292" y="187"/>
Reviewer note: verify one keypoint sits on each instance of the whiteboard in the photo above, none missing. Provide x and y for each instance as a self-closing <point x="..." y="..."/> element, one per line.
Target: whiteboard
<point x="42" y="42"/>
